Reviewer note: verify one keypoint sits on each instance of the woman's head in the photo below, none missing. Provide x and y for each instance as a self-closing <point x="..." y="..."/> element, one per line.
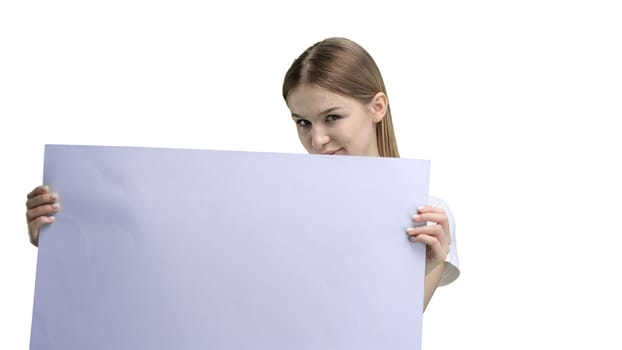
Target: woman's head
<point x="337" y="96"/>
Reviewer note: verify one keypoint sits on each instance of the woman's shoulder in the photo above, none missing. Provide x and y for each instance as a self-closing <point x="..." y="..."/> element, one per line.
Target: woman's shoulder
<point x="438" y="202"/>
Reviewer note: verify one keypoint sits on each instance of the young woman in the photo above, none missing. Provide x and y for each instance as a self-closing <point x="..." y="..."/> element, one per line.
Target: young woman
<point x="338" y="101"/>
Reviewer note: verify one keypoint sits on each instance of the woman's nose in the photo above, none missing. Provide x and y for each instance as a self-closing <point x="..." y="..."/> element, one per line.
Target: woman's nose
<point x="319" y="138"/>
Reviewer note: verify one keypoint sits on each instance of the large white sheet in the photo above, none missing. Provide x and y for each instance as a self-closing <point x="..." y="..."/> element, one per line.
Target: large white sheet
<point x="195" y="249"/>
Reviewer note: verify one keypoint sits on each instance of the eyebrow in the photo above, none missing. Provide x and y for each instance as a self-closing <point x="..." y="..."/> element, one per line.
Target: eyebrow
<point x="321" y="113"/>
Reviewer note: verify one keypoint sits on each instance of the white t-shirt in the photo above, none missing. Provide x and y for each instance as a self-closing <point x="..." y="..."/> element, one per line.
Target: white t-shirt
<point x="452" y="267"/>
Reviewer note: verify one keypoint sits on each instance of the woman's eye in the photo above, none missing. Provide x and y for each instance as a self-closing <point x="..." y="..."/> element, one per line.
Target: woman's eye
<point x="332" y="117"/>
<point x="303" y="122"/>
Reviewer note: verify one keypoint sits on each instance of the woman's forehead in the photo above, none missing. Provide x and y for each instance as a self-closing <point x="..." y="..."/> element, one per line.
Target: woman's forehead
<point x="313" y="99"/>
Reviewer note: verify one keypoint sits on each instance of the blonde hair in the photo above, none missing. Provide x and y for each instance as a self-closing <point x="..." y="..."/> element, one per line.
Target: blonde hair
<point x="344" y="67"/>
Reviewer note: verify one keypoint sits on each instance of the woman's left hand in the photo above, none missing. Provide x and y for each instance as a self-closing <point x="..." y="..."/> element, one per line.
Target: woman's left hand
<point x="435" y="234"/>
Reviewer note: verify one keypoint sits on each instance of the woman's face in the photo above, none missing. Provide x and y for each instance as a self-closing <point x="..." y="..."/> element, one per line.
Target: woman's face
<point x="329" y="123"/>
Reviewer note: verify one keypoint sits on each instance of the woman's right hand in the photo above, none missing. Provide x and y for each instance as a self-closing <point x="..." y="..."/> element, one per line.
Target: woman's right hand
<point x="40" y="206"/>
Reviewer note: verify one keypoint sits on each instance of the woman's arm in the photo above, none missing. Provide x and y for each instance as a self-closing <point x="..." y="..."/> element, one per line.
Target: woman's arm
<point x="432" y="280"/>
<point x="40" y="206"/>
<point x="436" y="236"/>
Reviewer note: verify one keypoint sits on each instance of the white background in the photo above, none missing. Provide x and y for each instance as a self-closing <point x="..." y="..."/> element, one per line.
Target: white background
<point x="516" y="104"/>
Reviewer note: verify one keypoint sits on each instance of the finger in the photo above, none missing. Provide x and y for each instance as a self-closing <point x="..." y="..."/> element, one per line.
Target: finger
<point x="439" y="218"/>
<point x="46" y="198"/>
<point x="431" y="230"/>
<point x="38" y="190"/>
<point x="429" y="209"/>
<point x="42" y="210"/>
<point x="434" y="231"/>
<point x="435" y="250"/>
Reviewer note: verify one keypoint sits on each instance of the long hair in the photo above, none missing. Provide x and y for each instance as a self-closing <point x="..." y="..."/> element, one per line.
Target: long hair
<point x="344" y="67"/>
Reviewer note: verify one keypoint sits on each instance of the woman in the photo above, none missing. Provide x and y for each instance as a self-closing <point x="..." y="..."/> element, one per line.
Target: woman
<point x="338" y="101"/>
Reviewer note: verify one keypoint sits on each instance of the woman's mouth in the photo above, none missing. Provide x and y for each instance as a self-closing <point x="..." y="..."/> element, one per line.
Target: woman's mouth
<point x="332" y="152"/>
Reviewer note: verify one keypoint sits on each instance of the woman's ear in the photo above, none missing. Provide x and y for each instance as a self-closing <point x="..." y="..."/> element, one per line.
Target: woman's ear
<point x="379" y="106"/>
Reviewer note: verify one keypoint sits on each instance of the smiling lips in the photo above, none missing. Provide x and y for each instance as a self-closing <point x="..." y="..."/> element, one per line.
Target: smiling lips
<point x="332" y="152"/>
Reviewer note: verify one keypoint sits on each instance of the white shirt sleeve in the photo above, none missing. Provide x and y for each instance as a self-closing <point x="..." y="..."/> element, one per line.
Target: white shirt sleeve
<point x="452" y="267"/>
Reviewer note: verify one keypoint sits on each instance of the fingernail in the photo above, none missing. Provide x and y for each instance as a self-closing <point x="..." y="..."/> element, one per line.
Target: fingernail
<point x="54" y="196"/>
<point x="416" y="217"/>
<point x="55" y="205"/>
<point x="410" y="230"/>
<point x="52" y="218"/>
<point x="46" y="188"/>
